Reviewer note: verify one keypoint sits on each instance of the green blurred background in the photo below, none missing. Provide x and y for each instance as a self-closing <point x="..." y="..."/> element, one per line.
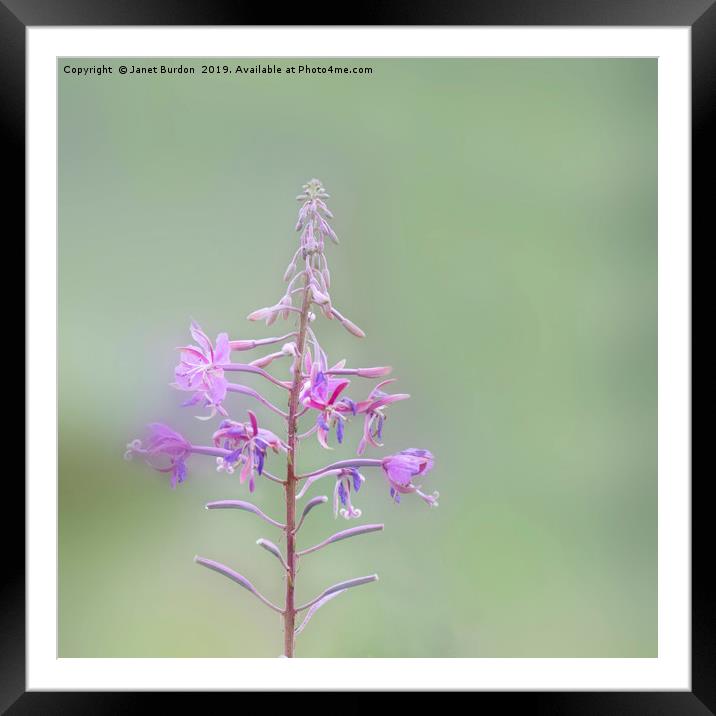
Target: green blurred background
<point x="499" y="246"/>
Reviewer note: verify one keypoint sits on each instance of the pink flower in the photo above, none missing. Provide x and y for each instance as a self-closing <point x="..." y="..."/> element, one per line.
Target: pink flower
<point x="400" y="469"/>
<point x="374" y="410"/>
<point x="346" y="479"/>
<point x="248" y="443"/>
<point x="321" y="394"/>
<point x="166" y="451"/>
<point x="200" y="370"/>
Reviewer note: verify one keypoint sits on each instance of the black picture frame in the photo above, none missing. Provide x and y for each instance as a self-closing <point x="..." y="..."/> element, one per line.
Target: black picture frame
<point x="699" y="15"/>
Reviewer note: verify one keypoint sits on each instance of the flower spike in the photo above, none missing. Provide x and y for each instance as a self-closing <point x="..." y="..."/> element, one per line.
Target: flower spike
<point x="319" y="397"/>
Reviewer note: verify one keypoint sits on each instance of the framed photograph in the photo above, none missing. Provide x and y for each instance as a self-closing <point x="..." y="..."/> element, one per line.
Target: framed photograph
<point x="358" y="357"/>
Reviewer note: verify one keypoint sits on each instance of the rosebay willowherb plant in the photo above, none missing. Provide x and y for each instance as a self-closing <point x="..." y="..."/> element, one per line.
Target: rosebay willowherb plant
<point x="316" y="391"/>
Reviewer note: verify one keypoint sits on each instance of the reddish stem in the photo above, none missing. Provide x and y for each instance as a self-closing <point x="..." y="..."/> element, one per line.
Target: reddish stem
<point x="289" y="613"/>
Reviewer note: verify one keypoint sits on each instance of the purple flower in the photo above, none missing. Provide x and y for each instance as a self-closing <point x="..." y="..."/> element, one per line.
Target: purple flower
<point x="320" y="393"/>
<point x="200" y="370"/>
<point x="345" y="480"/>
<point x="166" y="451"/>
<point x="374" y="410"/>
<point x="248" y="445"/>
<point x="400" y="469"/>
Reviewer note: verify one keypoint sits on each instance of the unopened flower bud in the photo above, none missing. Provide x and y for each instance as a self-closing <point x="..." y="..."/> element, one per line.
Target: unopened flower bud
<point x="376" y="372"/>
<point x="267" y="359"/>
<point x="260" y="313"/>
<point x="289" y="270"/>
<point x="318" y="296"/>
<point x="352" y="328"/>
<point x="285" y="301"/>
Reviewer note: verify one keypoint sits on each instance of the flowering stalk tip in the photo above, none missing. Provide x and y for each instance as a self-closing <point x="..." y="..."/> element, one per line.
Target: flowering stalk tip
<point x="324" y="399"/>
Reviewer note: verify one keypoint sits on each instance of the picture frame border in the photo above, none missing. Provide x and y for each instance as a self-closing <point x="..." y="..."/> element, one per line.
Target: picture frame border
<point x="699" y="16"/>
